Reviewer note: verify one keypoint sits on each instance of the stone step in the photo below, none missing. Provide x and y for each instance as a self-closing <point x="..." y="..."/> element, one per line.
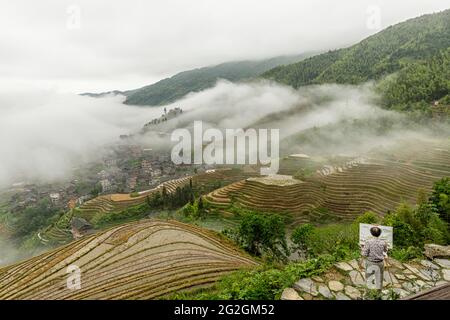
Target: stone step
<point x="346" y="280"/>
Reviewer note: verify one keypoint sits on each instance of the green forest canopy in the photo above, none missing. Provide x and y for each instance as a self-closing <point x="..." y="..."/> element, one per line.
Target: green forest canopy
<point x="416" y="51"/>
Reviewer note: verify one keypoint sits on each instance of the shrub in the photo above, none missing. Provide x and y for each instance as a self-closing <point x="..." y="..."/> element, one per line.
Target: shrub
<point x="195" y="210"/>
<point x="301" y="238"/>
<point x="368" y="217"/>
<point x="334" y="239"/>
<point x="440" y="198"/>
<point x="303" y="173"/>
<point x="415" y="227"/>
<point x="265" y="283"/>
<point x="403" y="232"/>
<point x="405" y="254"/>
<point x="135" y="212"/>
<point x="33" y="218"/>
<point x="263" y="234"/>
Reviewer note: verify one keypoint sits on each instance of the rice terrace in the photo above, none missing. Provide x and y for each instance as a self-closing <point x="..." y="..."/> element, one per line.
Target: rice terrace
<point x="214" y="151"/>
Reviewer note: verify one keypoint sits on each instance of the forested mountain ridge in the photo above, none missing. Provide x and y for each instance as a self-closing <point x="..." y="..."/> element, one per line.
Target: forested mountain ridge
<point x="414" y="54"/>
<point x="171" y="89"/>
<point x="374" y="57"/>
<point x="418" y="84"/>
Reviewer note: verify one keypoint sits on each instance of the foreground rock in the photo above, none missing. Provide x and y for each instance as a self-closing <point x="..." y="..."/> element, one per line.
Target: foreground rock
<point x="335" y="286"/>
<point x="346" y="280"/>
<point x="436" y="251"/>
<point x="290" y="294"/>
<point x="307" y="285"/>
<point x="444" y="263"/>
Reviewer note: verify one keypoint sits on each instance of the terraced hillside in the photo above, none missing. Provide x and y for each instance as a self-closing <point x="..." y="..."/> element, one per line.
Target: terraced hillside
<point x="60" y="232"/>
<point x="118" y="202"/>
<point x="378" y="183"/>
<point x="224" y="175"/>
<point x="141" y="260"/>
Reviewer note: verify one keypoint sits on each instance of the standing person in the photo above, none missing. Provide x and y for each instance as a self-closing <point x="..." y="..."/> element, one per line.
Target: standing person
<point x="375" y="251"/>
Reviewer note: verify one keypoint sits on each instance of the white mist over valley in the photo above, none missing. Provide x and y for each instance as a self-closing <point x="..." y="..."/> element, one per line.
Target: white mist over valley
<point x="44" y="135"/>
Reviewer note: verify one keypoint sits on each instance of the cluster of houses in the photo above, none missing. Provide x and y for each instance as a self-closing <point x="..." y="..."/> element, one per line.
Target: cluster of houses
<point x="134" y="169"/>
<point x="29" y="194"/>
<point x="126" y="168"/>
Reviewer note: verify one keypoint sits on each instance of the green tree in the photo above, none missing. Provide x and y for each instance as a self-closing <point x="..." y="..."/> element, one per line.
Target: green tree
<point x="301" y="237"/>
<point x="368" y="217"/>
<point x="440" y="198"/>
<point x="200" y="204"/>
<point x="263" y="234"/>
<point x="34" y="218"/>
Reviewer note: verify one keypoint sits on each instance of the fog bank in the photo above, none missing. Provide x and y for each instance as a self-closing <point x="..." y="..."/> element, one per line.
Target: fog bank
<point x="44" y="134"/>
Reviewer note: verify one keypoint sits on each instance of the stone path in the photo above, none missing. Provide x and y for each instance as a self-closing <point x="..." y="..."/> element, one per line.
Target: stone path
<point x="346" y="280"/>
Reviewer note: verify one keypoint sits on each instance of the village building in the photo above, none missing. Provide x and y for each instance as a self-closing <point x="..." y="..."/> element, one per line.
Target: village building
<point x="55" y="197"/>
<point x="103" y="174"/>
<point x="146" y="167"/>
<point x="106" y="185"/>
<point x="110" y="162"/>
<point x="156" y="173"/>
<point x="131" y="182"/>
<point x="80" y="227"/>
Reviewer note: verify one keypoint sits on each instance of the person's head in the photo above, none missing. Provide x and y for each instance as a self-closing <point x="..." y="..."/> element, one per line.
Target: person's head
<point x="375" y="231"/>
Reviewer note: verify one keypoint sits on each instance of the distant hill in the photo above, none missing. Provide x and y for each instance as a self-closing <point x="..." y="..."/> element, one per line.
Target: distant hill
<point x="376" y="56"/>
<point x="171" y="89"/>
<point x="416" y="52"/>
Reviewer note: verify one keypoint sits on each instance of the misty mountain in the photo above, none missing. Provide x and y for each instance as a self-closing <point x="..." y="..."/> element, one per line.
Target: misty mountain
<point x="171" y="89"/>
<point x="384" y="53"/>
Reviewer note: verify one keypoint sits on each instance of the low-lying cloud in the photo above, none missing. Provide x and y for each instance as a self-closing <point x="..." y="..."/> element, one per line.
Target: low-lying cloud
<point x="43" y="135"/>
<point x="337" y="118"/>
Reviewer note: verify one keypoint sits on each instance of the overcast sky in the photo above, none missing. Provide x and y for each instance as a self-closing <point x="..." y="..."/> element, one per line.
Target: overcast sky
<point x="87" y="45"/>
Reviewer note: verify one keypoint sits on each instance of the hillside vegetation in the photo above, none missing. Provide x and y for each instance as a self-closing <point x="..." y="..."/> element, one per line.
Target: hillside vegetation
<point x="419" y="83"/>
<point x="174" y="88"/>
<point x="417" y="48"/>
